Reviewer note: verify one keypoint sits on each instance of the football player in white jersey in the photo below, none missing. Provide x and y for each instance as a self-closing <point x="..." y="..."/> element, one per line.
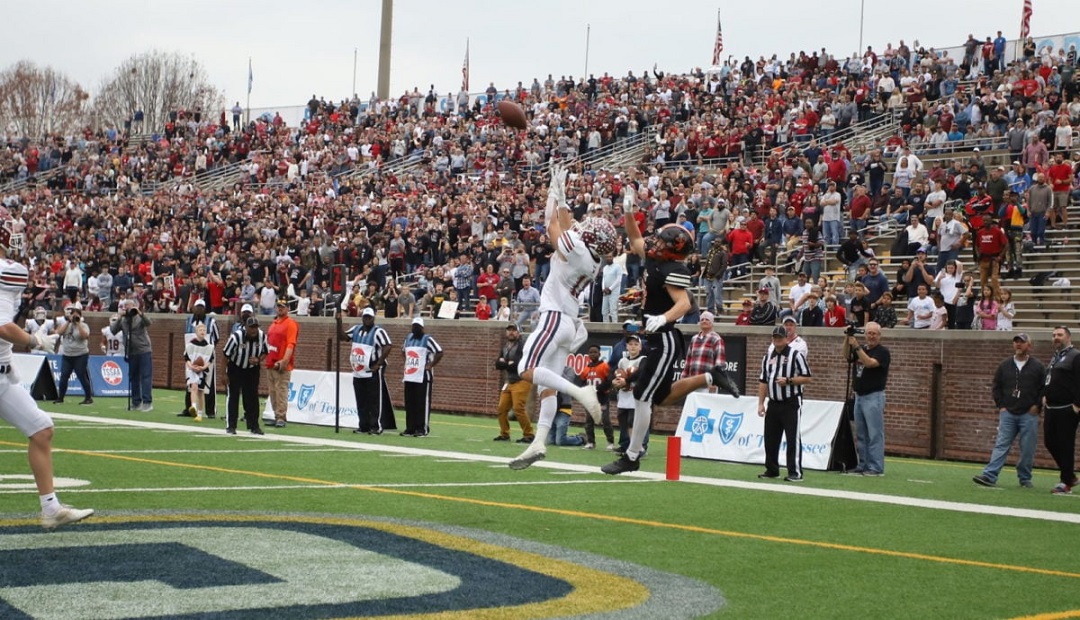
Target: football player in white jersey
<point x="16" y="405"/>
<point x="579" y="251"/>
<point x="112" y="344"/>
<point x="40" y="320"/>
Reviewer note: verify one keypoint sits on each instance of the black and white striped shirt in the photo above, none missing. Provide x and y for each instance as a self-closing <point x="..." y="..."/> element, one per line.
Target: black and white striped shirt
<point x="243" y="353"/>
<point x="788" y="363"/>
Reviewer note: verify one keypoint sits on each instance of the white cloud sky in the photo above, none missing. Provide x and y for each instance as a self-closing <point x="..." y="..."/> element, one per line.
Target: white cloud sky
<point x="301" y="48"/>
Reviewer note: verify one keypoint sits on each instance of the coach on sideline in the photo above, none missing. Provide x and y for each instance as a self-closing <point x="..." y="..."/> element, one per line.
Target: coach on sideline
<point x="245" y="351"/>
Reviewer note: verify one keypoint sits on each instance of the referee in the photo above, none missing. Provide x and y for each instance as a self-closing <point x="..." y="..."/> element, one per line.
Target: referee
<point x="783" y="373"/>
<point x="245" y="351"/>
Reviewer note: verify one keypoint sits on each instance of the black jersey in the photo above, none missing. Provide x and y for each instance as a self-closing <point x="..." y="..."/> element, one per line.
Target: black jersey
<point x="658" y="275"/>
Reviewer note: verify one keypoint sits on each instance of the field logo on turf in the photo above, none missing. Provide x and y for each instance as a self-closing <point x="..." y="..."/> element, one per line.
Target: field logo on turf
<point x="305" y="567"/>
<point x="729" y="425"/>
<point x="700" y="425"/>
<point x="111" y="373"/>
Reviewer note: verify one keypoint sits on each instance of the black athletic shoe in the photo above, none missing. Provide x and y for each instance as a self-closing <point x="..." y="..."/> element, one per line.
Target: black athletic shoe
<point x="722" y="381"/>
<point x="501" y="438"/>
<point x="622" y="465"/>
<point x="87" y="401"/>
<point x="406" y="434"/>
<point x="185" y="414"/>
<point x="230" y="431"/>
<point x="378" y="432"/>
<point x="793" y="478"/>
<point x="257" y="431"/>
<point x="360" y="431"/>
<point x="210" y="416"/>
<point x="768" y="476"/>
<point x="524" y="440"/>
<point x="58" y="401"/>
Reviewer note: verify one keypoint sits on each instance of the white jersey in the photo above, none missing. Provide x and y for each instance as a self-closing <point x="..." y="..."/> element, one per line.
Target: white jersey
<point x="569" y="277"/>
<point x="114" y="343"/>
<point x="13" y="280"/>
<point x="33" y="326"/>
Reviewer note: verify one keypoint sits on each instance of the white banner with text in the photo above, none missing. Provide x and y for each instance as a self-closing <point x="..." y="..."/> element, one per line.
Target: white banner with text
<point x="311" y="399"/>
<point x="723" y="428"/>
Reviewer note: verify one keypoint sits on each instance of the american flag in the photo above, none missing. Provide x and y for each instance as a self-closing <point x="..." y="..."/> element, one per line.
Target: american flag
<point x="719" y="47"/>
<point x="465" y="69"/>
<point x="1025" y="20"/>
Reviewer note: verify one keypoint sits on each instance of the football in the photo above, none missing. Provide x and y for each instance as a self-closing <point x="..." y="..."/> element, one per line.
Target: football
<point x="199" y="362"/>
<point x="512" y="114"/>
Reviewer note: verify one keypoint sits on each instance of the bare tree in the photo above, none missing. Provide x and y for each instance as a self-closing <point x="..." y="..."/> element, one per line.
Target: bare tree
<point x="36" y="101"/>
<point x="156" y="83"/>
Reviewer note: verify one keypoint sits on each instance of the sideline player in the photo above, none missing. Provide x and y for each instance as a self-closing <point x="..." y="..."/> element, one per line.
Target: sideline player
<point x="16" y="405"/>
<point x="579" y="251"/>
<point x="664" y="305"/>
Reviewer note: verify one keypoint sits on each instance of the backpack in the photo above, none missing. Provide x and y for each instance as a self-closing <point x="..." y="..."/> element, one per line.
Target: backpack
<point x="1042" y="277"/>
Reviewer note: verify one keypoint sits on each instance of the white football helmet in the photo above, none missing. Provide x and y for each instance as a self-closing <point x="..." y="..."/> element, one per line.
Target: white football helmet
<point x="10" y="240"/>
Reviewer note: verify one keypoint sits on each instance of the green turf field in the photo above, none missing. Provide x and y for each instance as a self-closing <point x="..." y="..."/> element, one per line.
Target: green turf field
<point x="921" y="542"/>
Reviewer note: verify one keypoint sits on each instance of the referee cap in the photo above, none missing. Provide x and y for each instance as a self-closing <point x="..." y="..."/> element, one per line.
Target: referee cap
<point x="368" y="312"/>
<point x="779" y="332"/>
<point x="417" y="321"/>
<point x="251" y="322"/>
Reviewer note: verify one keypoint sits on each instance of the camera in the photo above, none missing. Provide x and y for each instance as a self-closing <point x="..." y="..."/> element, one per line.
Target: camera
<point x="854" y="331"/>
<point x="132" y="312"/>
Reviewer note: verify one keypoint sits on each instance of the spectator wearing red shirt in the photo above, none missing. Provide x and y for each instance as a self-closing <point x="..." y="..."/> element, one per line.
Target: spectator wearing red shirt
<point x="1061" y="179"/>
<point x="835" y="315"/>
<point x="991" y="243"/>
<point x="860" y="210"/>
<point x="483" y="310"/>
<point x="485" y="286"/>
<point x="741" y="242"/>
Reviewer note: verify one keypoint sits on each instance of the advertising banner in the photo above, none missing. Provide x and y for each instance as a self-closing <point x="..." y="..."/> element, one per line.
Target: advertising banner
<point x="311" y="399"/>
<point x="734" y="353"/>
<point x="723" y="428"/>
<point x="34" y="375"/>
<point x="108" y="375"/>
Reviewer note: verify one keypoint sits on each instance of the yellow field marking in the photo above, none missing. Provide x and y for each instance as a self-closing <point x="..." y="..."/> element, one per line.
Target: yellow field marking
<point x="601" y="517"/>
<point x="1055" y="615"/>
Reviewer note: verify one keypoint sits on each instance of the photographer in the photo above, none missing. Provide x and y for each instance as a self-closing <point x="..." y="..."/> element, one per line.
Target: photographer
<point x="133" y="323"/>
<point x="75" y="338"/>
<point x="870" y="373"/>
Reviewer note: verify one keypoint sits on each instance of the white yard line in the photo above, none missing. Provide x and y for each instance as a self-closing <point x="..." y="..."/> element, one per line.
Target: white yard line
<point x="897" y="500"/>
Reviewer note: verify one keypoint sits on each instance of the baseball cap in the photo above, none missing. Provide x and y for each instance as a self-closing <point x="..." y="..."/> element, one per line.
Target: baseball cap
<point x="417" y="321"/>
<point x="247" y="308"/>
<point x="790" y="319"/>
<point x="707" y="316"/>
<point x="764" y="290"/>
<point x="779" y="332"/>
<point x="976" y="149"/>
<point x="747" y="302"/>
<point x="633" y="336"/>
<point x="921" y="250"/>
<point x="199" y="302"/>
<point x="1022" y="337"/>
<point x="512" y="326"/>
<point x="368" y="312"/>
<point x="251" y="322"/>
<point x="281" y="303"/>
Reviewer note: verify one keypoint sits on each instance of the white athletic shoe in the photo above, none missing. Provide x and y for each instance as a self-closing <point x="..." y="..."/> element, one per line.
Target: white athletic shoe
<point x="531" y="455"/>
<point x="586" y="395"/>
<point x="65" y="515"/>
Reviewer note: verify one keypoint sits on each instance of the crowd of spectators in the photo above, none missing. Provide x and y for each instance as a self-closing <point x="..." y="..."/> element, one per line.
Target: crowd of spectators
<point x="412" y="200"/>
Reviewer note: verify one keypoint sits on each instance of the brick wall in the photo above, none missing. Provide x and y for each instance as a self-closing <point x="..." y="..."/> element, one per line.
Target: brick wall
<point x="955" y="368"/>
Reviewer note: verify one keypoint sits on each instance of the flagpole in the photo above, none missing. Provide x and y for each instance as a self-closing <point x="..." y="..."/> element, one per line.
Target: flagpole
<point x="248" y="113"/>
<point x="862" y="13"/>
<point x="588" y="32"/>
<point x="354" y="71"/>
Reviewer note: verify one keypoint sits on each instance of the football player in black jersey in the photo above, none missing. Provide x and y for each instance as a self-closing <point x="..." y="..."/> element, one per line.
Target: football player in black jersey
<point x="666" y="301"/>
